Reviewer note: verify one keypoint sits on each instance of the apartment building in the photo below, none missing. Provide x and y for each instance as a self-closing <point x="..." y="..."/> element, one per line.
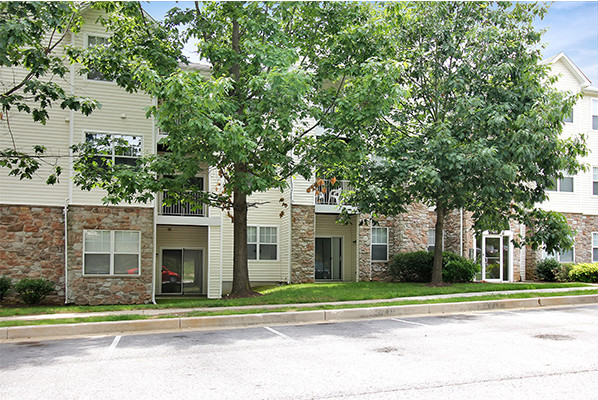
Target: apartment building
<point x="131" y="253"/>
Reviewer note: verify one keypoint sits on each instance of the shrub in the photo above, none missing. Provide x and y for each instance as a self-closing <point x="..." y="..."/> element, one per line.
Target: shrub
<point x="417" y="267"/>
<point x="544" y="269"/>
<point x="5" y="284"/>
<point x="584" y="273"/>
<point x="561" y="274"/>
<point x="412" y="267"/>
<point x="33" y="291"/>
<point x="456" y="268"/>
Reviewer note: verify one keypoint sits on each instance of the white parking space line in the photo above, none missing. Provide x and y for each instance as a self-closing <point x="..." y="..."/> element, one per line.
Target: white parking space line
<point x="408" y="322"/>
<point x="274" y="331"/>
<point x="110" y="350"/>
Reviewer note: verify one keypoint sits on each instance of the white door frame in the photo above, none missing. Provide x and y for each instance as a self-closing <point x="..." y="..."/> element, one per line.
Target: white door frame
<point x="505" y="238"/>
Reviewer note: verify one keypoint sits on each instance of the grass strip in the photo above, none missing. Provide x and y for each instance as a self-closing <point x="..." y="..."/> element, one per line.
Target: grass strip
<point x="258" y="310"/>
<point x="304" y="293"/>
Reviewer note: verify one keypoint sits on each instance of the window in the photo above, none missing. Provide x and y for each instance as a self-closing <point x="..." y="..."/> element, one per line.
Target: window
<point x="565" y="184"/>
<point x="262" y="243"/>
<point x="594" y="246"/>
<point x="111" y="252"/>
<point x="432" y="239"/>
<point x="379" y="244"/>
<point x="594" y="114"/>
<point x="93" y="41"/>
<point x="569" y="117"/>
<point x="595" y="181"/>
<point x="567" y="256"/>
<point x="121" y="149"/>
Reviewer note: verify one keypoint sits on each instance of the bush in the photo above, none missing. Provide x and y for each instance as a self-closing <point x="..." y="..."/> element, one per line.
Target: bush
<point x="545" y="268"/>
<point x="412" y="267"/>
<point x="458" y="269"/>
<point x="561" y="274"/>
<point x="417" y="267"/>
<point x="5" y="284"/>
<point x="584" y="273"/>
<point x="33" y="291"/>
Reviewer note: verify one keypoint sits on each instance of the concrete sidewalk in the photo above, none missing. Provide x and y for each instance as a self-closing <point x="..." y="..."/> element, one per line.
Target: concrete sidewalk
<point x="179" y="324"/>
<point x="181" y="311"/>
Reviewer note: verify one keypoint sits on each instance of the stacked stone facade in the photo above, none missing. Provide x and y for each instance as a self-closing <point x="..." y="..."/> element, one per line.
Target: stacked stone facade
<point x="303" y="245"/>
<point x="32" y="246"/>
<point x="117" y="289"/>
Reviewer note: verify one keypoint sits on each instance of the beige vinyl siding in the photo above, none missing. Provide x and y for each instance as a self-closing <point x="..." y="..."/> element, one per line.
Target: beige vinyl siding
<point x="181" y="237"/>
<point x="582" y="199"/>
<point x="27" y="133"/>
<point x="326" y="226"/>
<point x="215" y="262"/>
<point x="267" y="215"/>
<point x="299" y="190"/>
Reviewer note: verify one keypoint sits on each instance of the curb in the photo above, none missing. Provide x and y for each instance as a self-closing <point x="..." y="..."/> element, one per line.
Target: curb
<point x="110" y="328"/>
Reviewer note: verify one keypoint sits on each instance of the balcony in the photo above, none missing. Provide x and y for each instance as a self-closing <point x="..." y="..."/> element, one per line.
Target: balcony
<point x="329" y="195"/>
<point x="179" y="209"/>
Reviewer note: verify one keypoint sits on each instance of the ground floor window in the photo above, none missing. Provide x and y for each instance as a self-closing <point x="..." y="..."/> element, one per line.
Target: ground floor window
<point x="594" y="246"/>
<point x="111" y="252"/>
<point x="566" y="256"/>
<point x="379" y="244"/>
<point x="432" y="239"/>
<point x="262" y="243"/>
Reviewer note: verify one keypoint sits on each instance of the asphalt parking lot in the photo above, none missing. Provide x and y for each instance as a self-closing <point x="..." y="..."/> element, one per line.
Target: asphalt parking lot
<point x="533" y="354"/>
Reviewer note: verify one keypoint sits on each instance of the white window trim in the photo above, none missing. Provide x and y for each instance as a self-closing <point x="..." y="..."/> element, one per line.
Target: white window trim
<point x="592" y="115"/>
<point x="428" y="245"/>
<point x="557" y="256"/>
<point x="112" y="253"/>
<point x="86" y="43"/>
<point x="557" y="189"/>
<point x="139" y="136"/>
<point x="257" y="243"/>
<point x="592" y="181"/>
<point x="594" y="233"/>
<point x="372" y="244"/>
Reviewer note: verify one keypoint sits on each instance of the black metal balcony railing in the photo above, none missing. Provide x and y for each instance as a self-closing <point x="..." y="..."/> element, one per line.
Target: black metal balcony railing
<point x="181" y="208"/>
<point x="331" y="194"/>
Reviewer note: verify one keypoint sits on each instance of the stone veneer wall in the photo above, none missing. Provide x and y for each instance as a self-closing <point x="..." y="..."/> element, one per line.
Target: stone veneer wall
<point x="584" y="225"/>
<point x="121" y="289"/>
<point x="32" y="246"/>
<point x="303" y="245"/>
<point x="452" y="232"/>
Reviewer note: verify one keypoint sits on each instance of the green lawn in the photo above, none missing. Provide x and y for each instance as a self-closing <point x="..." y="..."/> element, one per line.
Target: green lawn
<point x="305" y="293"/>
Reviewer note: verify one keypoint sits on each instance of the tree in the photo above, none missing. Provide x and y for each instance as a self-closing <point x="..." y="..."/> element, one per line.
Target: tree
<point x="30" y="35"/>
<point x="274" y="66"/>
<point x="470" y="121"/>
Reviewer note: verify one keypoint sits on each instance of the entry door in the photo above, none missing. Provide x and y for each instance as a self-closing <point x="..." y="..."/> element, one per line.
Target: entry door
<point x="496" y="257"/>
<point x="182" y="271"/>
<point x="328" y="263"/>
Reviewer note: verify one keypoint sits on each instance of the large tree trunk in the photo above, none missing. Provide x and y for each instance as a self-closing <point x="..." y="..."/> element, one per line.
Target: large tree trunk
<point x="437" y="266"/>
<point x="241" y="286"/>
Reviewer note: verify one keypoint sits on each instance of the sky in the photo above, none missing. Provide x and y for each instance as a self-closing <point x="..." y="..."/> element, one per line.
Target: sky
<point x="571" y="27"/>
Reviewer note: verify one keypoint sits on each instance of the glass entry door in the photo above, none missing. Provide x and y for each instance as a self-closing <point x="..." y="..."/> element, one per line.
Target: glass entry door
<point x="328" y="258"/>
<point x="495" y="256"/>
<point x="182" y="271"/>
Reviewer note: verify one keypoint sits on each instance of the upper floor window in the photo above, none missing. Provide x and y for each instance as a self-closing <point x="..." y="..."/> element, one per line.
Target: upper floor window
<point x="379" y="244"/>
<point x="121" y="149"/>
<point x="565" y="184"/>
<point x="595" y="114"/>
<point x="569" y="117"/>
<point x="262" y="243"/>
<point x="595" y="181"/>
<point x="111" y="252"/>
<point x="93" y="41"/>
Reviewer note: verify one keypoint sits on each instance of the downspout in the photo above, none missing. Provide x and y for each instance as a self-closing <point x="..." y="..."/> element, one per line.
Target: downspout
<point x="156" y="205"/>
<point x="66" y="252"/>
<point x="70" y="179"/>
<point x="461" y="234"/>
